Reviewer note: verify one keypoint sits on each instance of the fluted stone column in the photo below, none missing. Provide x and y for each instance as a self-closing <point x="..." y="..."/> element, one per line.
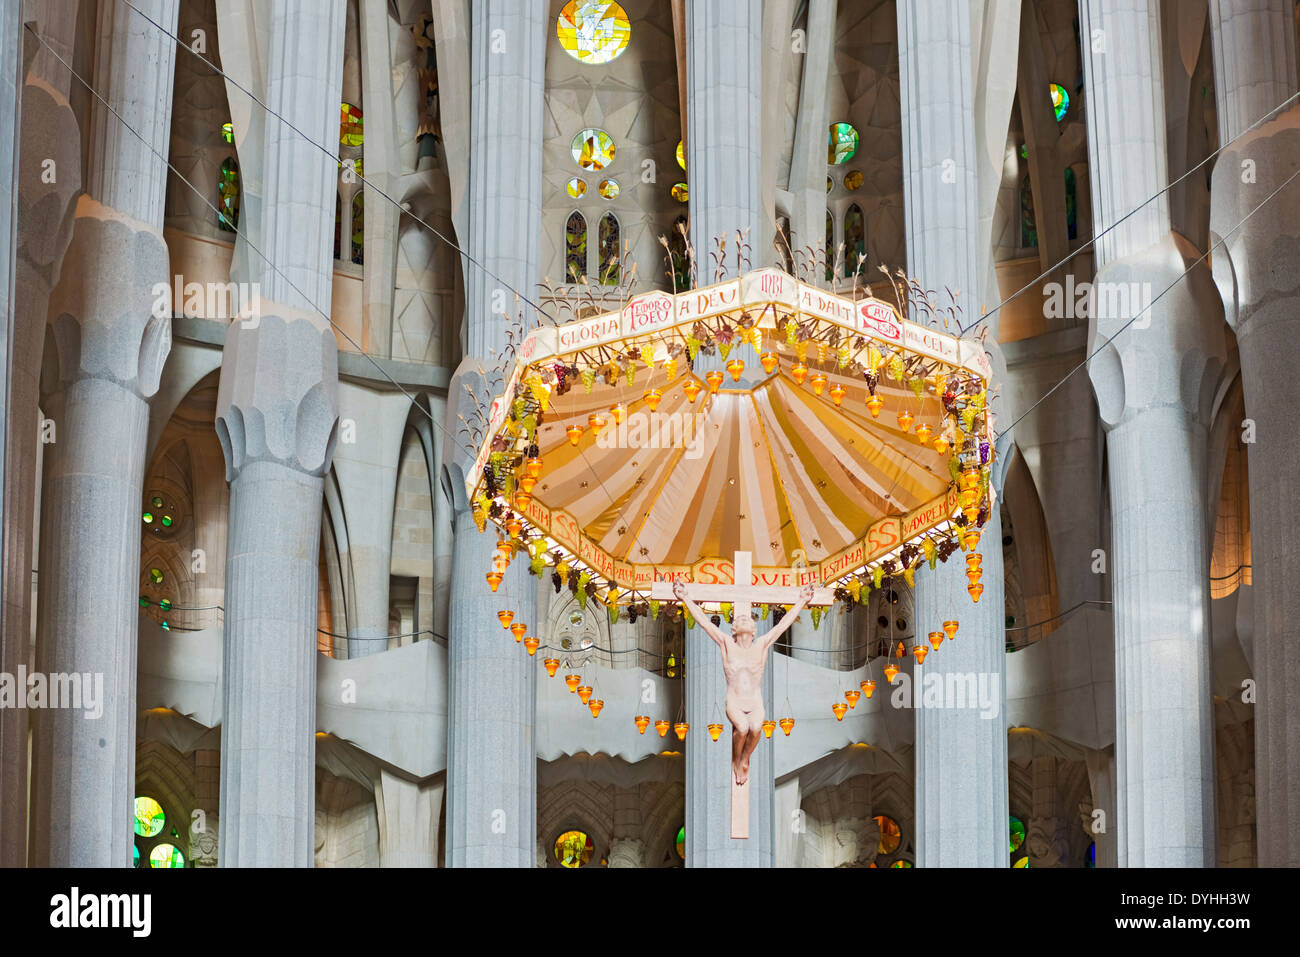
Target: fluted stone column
<point x="961" y="753"/>
<point x="492" y="683"/>
<point x="724" y="92"/>
<point x="627" y="847"/>
<point x="1154" y="386"/>
<point x="708" y="764"/>
<point x="1254" y="71"/>
<point x="277" y="416"/>
<point x="43" y="217"/>
<point x="104" y="355"/>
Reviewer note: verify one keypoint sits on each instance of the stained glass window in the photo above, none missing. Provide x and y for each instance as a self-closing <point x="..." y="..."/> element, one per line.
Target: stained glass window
<point x="610" y="265"/>
<point x="681" y="192"/>
<point x="681" y="155"/>
<point x="1023" y="862"/>
<point x="1028" y="224"/>
<point x="1017" y="833"/>
<point x="573" y="849"/>
<point x="593" y="32"/>
<point x="890" y="835"/>
<point x="136" y="858"/>
<point x="156" y="576"/>
<point x="681" y="843"/>
<point x="358" y="226"/>
<point x="1071" y="210"/>
<point x="149" y="817"/>
<point x="228" y="132"/>
<point x="1092" y="855"/>
<point x="853" y="180"/>
<point x="350" y="131"/>
<point x="842" y="144"/>
<point x="609" y="188"/>
<point x="855" y="239"/>
<point x="830" y="247"/>
<point x="593" y="149"/>
<point x="1060" y="101"/>
<point x="576" y="187"/>
<point x="575" y="248"/>
<point x="228" y="195"/>
<point x="901" y="864"/>
<point x="166" y="855"/>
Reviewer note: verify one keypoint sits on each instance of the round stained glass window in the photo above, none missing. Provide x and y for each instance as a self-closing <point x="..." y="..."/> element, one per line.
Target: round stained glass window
<point x="853" y="180"/>
<point x="843" y="143"/>
<point x="609" y="188"/>
<point x="681" y="843"/>
<point x="165" y="604"/>
<point x="576" y="187"/>
<point x="166" y="855"/>
<point x="681" y="155"/>
<point x="156" y="501"/>
<point x="350" y="131"/>
<point x="593" y="31"/>
<point x="593" y="149"/>
<point x="1023" y="862"/>
<point x="147" y="518"/>
<point x="1060" y="101"/>
<point x="681" y="192"/>
<point x="901" y="864"/>
<point x="149" y="817"/>
<point x="573" y="849"/>
<point x="1017" y="833"/>
<point x="890" y="834"/>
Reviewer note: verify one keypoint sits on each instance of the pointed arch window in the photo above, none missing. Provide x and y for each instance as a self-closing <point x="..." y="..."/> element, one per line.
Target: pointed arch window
<point x="1028" y="222"/>
<point x="610" y="263"/>
<point x="338" y="226"/>
<point x="575" y="247"/>
<point x="830" y="246"/>
<point x="855" y="240"/>
<point x="358" y="226"/>
<point x="679" y="266"/>
<point x="228" y="195"/>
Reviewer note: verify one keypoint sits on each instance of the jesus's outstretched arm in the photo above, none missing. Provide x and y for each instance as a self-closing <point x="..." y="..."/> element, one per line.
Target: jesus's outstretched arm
<point x="679" y="590"/>
<point x="787" y="620"/>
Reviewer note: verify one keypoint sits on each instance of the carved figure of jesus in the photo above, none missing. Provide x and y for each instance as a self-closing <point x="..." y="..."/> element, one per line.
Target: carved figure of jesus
<point x="743" y="659"/>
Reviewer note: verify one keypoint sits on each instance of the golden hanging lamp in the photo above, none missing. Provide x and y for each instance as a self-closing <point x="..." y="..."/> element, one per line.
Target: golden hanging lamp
<point x="868" y="687"/>
<point x="595" y="706"/>
<point x="852" y="697"/>
<point x="839" y="708"/>
<point x="662" y="727"/>
<point x="714" y="378"/>
<point x="874" y="404"/>
<point x="787" y="725"/>
<point x="642" y="722"/>
<point x="692" y="389"/>
<point x="505" y="617"/>
<point x="551" y="665"/>
<point x="736" y="367"/>
<point x="768" y="727"/>
<point x="652" y="397"/>
<point x="770" y="361"/>
<point x="715" y="731"/>
<point x="532" y="644"/>
<point x="799" y="373"/>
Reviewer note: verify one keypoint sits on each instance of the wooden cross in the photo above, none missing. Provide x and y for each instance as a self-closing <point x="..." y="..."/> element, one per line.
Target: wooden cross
<point x="742" y="594"/>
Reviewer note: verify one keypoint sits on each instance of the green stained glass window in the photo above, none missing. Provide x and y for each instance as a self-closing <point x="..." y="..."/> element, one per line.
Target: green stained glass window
<point x="1060" y="101"/>
<point x="166" y="627"/>
<point x="593" y="149"/>
<point x="593" y="31"/>
<point x="573" y="849"/>
<point x="350" y="125"/>
<point x="144" y="601"/>
<point x="227" y="205"/>
<point x="575" y="248"/>
<point x="165" y="604"/>
<point x="147" y="518"/>
<point x="149" y="817"/>
<point x="228" y="132"/>
<point x="156" y="501"/>
<point x="681" y="843"/>
<point x="843" y="143"/>
<point x="610" y="262"/>
<point x="1017" y="833"/>
<point x="156" y="576"/>
<point x="166" y="855"/>
<point x="358" y="227"/>
<point x="167" y="521"/>
<point x="136" y="857"/>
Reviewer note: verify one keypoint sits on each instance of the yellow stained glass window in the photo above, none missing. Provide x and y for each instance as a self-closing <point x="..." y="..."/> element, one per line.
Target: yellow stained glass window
<point x="681" y="155"/>
<point x="890" y="835"/>
<point x="576" y="187"/>
<point x="681" y="192"/>
<point x="573" y="849"/>
<point x="149" y="817"/>
<point x="593" y="149"/>
<point x="166" y="855"/>
<point x="350" y="133"/>
<point x="853" y="180"/>
<point x="593" y="31"/>
<point x="609" y="188"/>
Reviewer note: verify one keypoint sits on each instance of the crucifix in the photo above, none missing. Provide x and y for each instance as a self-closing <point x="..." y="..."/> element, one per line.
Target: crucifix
<point x="744" y="658"/>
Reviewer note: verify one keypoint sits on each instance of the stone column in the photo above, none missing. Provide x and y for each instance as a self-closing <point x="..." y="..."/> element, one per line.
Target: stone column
<point x="961" y="753"/>
<point x="409" y="815"/>
<point x="724" y="142"/>
<point x="627" y="847"/>
<point x="277" y="413"/>
<point x="492" y="683"/>
<point x="205" y="828"/>
<point x="808" y="158"/>
<point x="1154" y="386"/>
<point x="708" y="766"/>
<point x="1254" y="71"/>
<point x="104" y="355"/>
